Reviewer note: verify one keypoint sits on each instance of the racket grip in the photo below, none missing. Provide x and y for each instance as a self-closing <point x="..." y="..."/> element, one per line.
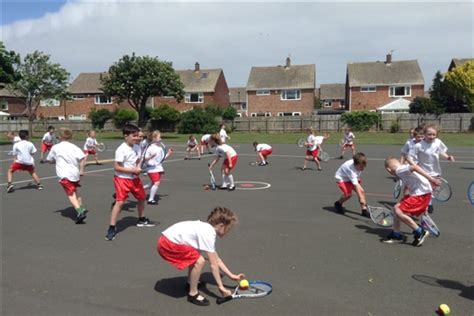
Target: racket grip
<point x="221" y="300"/>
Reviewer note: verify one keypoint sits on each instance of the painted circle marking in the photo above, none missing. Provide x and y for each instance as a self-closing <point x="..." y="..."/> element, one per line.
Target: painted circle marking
<point x="251" y="185"/>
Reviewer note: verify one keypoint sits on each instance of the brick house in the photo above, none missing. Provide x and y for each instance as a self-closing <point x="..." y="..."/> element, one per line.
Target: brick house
<point x="202" y="87"/>
<point x="238" y="100"/>
<point x="281" y="90"/>
<point x="371" y="85"/>
<point x="457" y="62"/>
<point x="332" y="96"/>
<point x="12" y="103"/>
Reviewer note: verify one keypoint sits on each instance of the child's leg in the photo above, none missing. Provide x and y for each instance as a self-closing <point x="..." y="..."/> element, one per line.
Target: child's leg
<point x="10" y="175"/>
<point x="194" y="275"/>
<point x="153" y="191"/>
<point x="316" y="160"/>
<point x="141" y="208"/>
<point x="405" y="218"/>
<point x="74" y="201"/>
<point x="230" y="177"/>
<point x="115" y="212"/>
<point x="35" y="177"/>
<point x="353" y="149"/>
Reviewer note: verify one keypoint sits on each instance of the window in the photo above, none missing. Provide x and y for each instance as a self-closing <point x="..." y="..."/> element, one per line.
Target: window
<point x="296" y="113"/>
<point x="327" y="103"/>
<point x="289" y="113"/>
<point x="368" y="89"/>
<point x="77" y="117"/>
<point x="194" y="97"/>
<point x="78" y="97"/>
<point x="342" y="103"/>
<point x="263" y="92"/>
<point x="102" y="99"/>
<point x="4" y="105"/>
<point x="243" y="106"/>
<point x="400" y="91"/>
<point x="239" y="114"/>
<point x="260" y="114"/>
<point x="49" y="102"/>
<point x="291" y="94"/>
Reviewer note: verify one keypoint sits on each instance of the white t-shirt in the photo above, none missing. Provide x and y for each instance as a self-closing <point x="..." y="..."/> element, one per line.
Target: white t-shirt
<point x="416" y="183"/>
<point x="16" y="139"/>
<point x="428" y="155"/>
<point x="261" y="147"/>
<point x="67" y="157"/>
<point x="143" y="144"/>
<point x="223" y="135"/>
<point x="90" y="143"/>
<point x="23" y="151"/>
<point x="348" y="173"/>
<point x="205" y="138"/>
<point x="348" y="138"/>
<point x="129" y="156"/>
<point x="221" y="151"/>
<point x="408" y="147"/>
<point x="154" y="164"/>
<point x="48" y="138"/>
<point x="315" y="140"/>
<point x="197" y="234"/>
<point x="192" y="142"/>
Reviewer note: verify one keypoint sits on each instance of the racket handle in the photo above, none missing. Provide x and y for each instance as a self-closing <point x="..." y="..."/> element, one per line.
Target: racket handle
<point x="221" y="300"/>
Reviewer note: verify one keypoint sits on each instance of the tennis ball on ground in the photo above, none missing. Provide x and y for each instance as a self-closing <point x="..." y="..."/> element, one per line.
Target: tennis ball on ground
<point x="444" y="309"/>
<point x="244" y="284"/>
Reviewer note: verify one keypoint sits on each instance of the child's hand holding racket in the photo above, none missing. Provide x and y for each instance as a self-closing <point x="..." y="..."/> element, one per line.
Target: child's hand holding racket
<point x="436" y="182"/>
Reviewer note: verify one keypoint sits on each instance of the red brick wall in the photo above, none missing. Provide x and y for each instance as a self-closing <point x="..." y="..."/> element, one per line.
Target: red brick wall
<point x="272" y="103"/>
<point x="221" y="94"/>
<point x="361" y="101"/>
<point x="16" y="106"/>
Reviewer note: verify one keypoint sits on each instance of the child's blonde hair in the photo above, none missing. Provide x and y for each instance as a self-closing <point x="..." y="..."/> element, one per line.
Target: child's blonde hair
<point x="65" y="133"/>
<point x="222" y="215"/>
<point x="310" y="130"/>
<point x="360" y="159"/>
<point x="154" y="134"/>
<point x="432" y="126"/>
<point x="216" y="139"/>
<point x="90" y="132"/>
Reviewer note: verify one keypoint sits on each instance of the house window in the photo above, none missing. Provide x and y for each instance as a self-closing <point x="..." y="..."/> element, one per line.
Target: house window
<point x="102" y="99"/>
<point x="239" y="114"/>
<point x="78" y="97"/>
<point x="263" y="92"/>
<point x="368" y="89"/>
<point x="77" y="117"/>
<point x="400" y="91"/>
<point x="194" y="97"/>
<point x="4" y="105"/>
<point x="49" y="102"/>
<point x="289" y="113"/>
<point x="342" y="103"/>
<point x="260" y="114"/>
<point x="327" y="103"/>
<point x="291" y="94"/>
<point x="296" y="113"/>
<point x="243" y="106"/>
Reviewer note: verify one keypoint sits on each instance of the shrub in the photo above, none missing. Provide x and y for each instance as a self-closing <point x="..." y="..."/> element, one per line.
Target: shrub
<point x="229" y="113"/>
<point x="164" y="118"/>
<point x="395" y="127"/>
<point x="124" y="116"/>
<point x="361" y="120"/>
<point x="100" y="117"/>
<point x="198" y="121"/>
<point x="214" y="110"/>
<point x="425" y="105"/>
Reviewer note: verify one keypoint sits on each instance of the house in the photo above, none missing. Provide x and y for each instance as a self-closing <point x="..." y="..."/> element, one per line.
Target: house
<point x="457" y="62"/>
<point x="12" y="103"/>
<point x="202" y="87"/>
<point x="370" y="85"/>
<point x="238" y="100"/>
<point x="332" y="96"/>
<point x="281" y="90"/>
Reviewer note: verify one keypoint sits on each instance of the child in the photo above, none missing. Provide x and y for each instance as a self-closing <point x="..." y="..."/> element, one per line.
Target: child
<point x="223" y="134"/>
<point x="23" y="160"/>
<point x="90" y="147"/>
<point x="47" y="142"/>
<point x="414" y="203"/>
<point x="154" y="157"/>
<point x="192" y="145"/>
<point x="348" y="142"/>
<point x="312" y="145"/>
<point x="224" y="150"/>
<point x="263" y="151"/>
<point x="416" y="136"/>
<point x="205" y="143"/>
<point x="143" y="140"/>
<point x="70" y="161"/>
<point x="13" y="137"/>
<point x="427" y="153"/>
<point x="182" y="243"/>
<point x="347" y="177"/>
<point x="126" y="179"/>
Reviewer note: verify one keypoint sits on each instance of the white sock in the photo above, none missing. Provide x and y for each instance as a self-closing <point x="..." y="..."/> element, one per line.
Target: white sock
<point x="231" y="180"/>
<point x="224" y="180"/>
<point x="153" y="191"/>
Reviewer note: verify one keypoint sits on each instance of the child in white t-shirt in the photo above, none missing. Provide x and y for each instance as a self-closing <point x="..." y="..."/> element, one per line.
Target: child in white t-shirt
<point x="263" y="151"/>
<point x="47" y="142"/>
<point x="181" y="245"/>
<point x="348" y="142"/>
<point x="191" y="146"/>
<point x="416" y="136"/>
<point x="230" y="161"/>
<point x="205" y="143"/>
<point x="153" y="160"/>
<point x="23" y="161"/>
<point x="417" y="181"/>
<point x="70" y="161"/>
<point x="223" y="134"/>
<point x="313" y="147"/>
<point x="90" y="147"/>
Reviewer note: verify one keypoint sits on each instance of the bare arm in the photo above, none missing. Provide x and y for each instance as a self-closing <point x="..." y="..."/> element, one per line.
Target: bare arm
<point x="361" y="194"/>
<point x="418" y="169"/>
<point x="82" y="163"/>
<point x="118" y="166"/>
<point x="216" y="265"/>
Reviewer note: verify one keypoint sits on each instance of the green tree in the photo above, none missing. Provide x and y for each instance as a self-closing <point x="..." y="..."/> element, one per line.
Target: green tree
<point x="136" y="79"/>
<point x="198" y="121"/>
<point x="229" y="113"/>
<point x="9" y="61"/>
<point x="460" y="83"/>
<point x="100" y="117"/>
<point x="164" y="117"/>
<point x="39" y="79"/>
<point x="424" y="105"/>
<point x="438" y="91"/>
<point x="124" y="116"/>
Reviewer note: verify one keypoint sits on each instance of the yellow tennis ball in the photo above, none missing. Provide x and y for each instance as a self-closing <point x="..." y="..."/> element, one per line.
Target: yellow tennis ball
<point x="444" y="309"/>
<point x="244" y="284"/>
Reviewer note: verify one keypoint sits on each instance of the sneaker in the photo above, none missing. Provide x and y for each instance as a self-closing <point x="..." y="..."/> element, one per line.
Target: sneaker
<point x="320" y="169"/>
<point x="42" y="161"/>
<point x="222" y="187"/>
<point x="152" y="202"/>
<point x="185" y="158"/>
<point x="430" y="209"/>
<point x="338" y="207"/>
<point x="262" y="164"/>
<point x="198" y="300"/>
<point x="341" y="157"/>
<point x="111" y="234"/>
<point x="232" y="188"/>
<point x="10" y="188"/>
<point x="40" y="187"/>
<point x="420" y="238"/>
<point x="303" y="168"/>
<point x="145" y="222"/>
<point x="81" y="217"/>
<point x="393" y="239"/>
<point x="365" y="213"/>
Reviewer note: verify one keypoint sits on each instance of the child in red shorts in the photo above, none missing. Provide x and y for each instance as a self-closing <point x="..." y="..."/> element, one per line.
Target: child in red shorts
<point x="23" y="160"/>
<point x="417" y="181"/>
<point x="182" y="243"/>
<point x="192" y="145"/>
<point x="90" y="146"/>
<point x="230" y="161"/>
<point x="263" y="151"/>
<point x="126" y="179"/>
<point x="47" y="142"/>
<point x="69" y="160"/>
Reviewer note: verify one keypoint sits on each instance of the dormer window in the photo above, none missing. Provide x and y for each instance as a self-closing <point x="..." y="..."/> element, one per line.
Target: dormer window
<point x="400" y="91"/>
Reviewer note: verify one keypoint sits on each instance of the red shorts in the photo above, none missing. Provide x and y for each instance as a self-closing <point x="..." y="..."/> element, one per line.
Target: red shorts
<point x="191" y="146"/>
<point x="45" y="147"/>
<point x="348" y="145"/>
<point x="155" y="176"/>
<point x="180" y="256"/>
<point x="314" y="153"/>
<point x="234" y="162"/>
<point x="70" y="187"/>
<point x="90" y="152"/>
<point x="19" y="166"/>
<point x="347" y="187"/>
<point x="266" y="152"/>
<point x="125" y="186"/>
<point x="204" y="143"/>
<point x="415" y="204"/>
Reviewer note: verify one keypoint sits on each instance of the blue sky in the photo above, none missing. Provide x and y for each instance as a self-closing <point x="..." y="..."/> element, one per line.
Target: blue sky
<point x="90" y="35"/>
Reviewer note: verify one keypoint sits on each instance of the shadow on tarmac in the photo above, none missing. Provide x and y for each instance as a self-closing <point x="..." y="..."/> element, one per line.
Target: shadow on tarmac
<point x="466" y="291"/>
<point x="68" y="212"/>
<point x="176" y="287"/>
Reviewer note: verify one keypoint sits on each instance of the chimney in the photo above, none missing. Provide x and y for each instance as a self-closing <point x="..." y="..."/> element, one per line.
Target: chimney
<point x="196" y="67"/>
<point x="288" y="62"/>
<point x="388" y="59"/>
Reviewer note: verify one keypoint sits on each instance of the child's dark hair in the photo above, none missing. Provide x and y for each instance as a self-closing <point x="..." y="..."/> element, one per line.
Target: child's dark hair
<point x="417" y="131"/>
<point x="50" y="128"/>
<point x="221" y="215"/>
<point x="360" y="159"/>
<point x="129" y="129"/>
<point x="255" y="144"/>
<point x="23" y="134"/>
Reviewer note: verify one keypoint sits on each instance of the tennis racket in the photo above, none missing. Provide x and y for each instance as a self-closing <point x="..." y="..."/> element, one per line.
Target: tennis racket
<point x="342" y="142"/>
<point x="380" y="215"/>
<point x="212" y="179"/>
<point x="443" y="192"/>
<point x="397" y="190"/>
<point x="323" y="156"/>
<point x="470" y="192"/>
<point x="144" y="163"/>
<point x="253" y="163"/>
<point x="256" y="289"/>
<point x="300" y="142"/>
<point x="428" y="224"/>
<point x="100" y="147"/>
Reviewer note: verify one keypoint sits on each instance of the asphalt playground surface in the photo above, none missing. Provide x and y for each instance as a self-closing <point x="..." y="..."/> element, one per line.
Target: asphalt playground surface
<point x="319" y="262"/>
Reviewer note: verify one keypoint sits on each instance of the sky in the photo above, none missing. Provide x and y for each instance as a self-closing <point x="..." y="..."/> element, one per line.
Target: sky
<point x="90" y="35"/>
